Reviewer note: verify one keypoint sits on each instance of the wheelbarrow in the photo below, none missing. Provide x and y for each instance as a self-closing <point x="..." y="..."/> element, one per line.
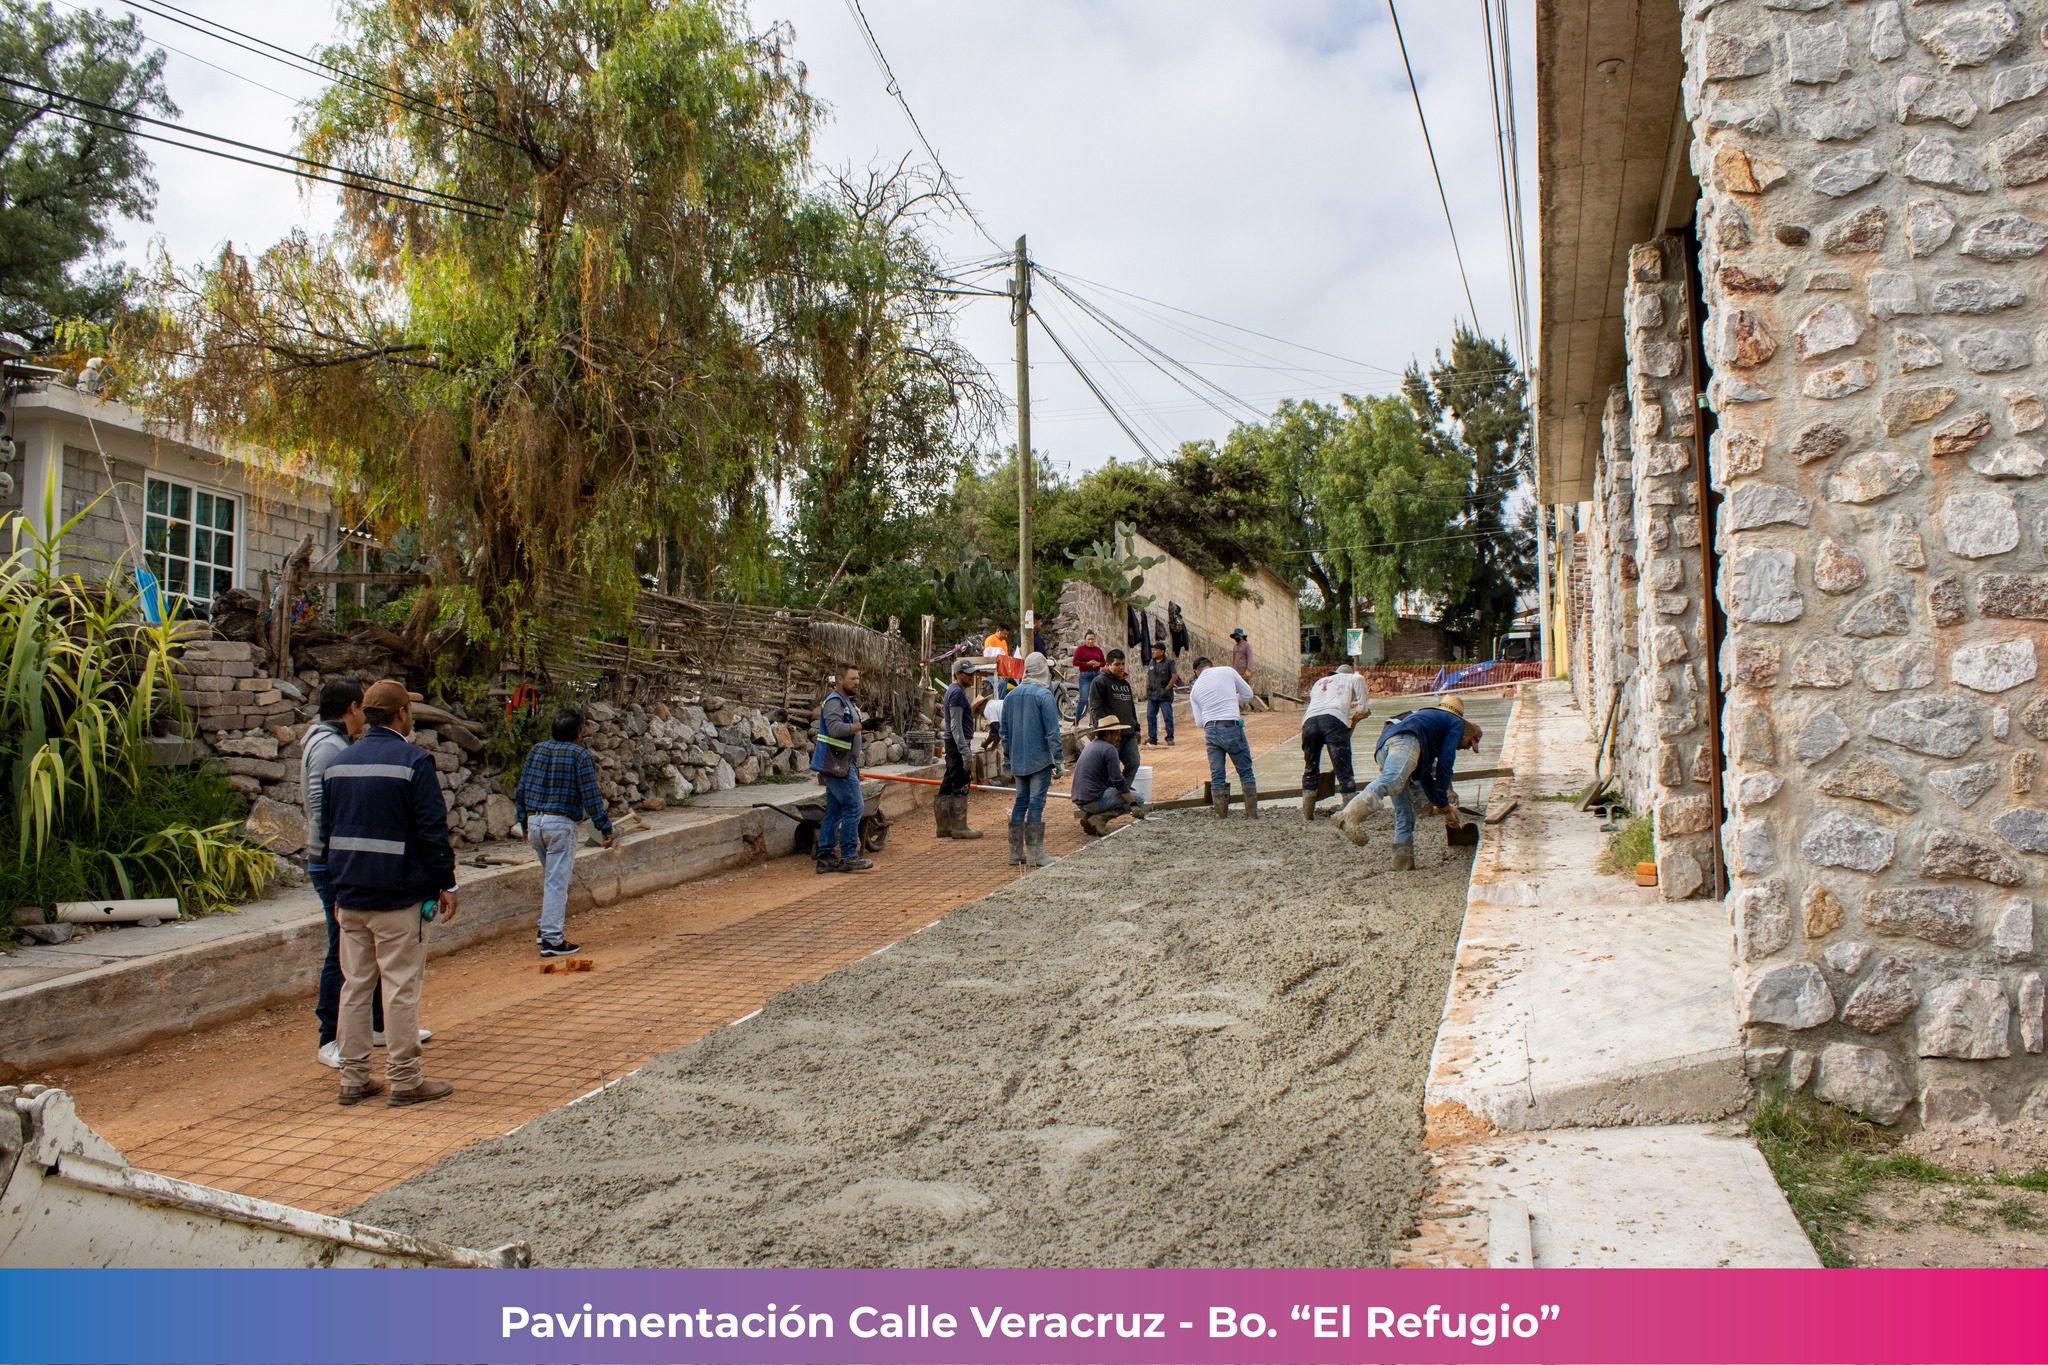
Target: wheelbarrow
<point x="809" y="816"/>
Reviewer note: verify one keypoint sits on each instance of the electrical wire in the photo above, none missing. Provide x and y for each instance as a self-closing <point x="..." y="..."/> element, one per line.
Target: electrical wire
<point x="1430" y="146"/>
<point x="1150" y="455"/>
<point x="193" y="56"/>
<point x="1500" y="158"/>
<point x="894" y="89"/>
<point x="1149" y="352"/>
<point x="244" y="160"/>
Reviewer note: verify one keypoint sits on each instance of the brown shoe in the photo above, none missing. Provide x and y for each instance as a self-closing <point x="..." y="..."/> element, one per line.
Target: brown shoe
<point x="423" y="1093"/>
<point x="356" y="1094"/>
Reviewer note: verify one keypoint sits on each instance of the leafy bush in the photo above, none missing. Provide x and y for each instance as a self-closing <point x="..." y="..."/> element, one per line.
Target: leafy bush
<point x="86" y="683"/>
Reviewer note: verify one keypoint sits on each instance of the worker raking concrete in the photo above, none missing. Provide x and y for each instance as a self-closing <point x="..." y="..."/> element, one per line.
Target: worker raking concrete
<point x="1419" y="748"/>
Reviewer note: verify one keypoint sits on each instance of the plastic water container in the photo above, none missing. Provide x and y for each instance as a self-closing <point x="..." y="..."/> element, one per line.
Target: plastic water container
<point x="1141" y="785"/>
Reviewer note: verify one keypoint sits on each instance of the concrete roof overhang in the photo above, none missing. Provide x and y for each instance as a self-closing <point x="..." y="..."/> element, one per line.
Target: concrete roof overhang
<point x="1611" y="171"/>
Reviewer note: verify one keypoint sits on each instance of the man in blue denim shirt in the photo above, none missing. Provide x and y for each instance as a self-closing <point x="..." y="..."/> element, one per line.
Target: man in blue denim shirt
<point x="1031" y="739"/>
<point x="1419" y="749"/>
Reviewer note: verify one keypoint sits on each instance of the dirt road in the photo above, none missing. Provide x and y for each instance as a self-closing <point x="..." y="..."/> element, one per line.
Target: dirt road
<point x="1193" y="1043"/>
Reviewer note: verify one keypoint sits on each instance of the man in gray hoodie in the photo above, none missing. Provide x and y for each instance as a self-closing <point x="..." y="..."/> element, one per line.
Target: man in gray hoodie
<point x="341" y="720"/>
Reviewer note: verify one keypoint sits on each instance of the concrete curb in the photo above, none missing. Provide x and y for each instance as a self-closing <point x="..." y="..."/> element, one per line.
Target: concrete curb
<point x="118" y="1007"/>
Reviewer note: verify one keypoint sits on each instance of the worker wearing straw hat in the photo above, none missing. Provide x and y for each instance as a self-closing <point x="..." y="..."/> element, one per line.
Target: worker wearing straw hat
<point x="1102" y="785"/>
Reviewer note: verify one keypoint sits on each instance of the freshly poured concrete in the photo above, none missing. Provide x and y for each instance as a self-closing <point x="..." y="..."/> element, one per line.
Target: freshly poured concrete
<point x="1579" y="999"/>
<point x="1588" y="1032"/>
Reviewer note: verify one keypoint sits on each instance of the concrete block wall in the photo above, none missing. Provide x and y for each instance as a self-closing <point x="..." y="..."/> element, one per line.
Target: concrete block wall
<point x="1671" y="697"/>
<point x="1875" y="209"/>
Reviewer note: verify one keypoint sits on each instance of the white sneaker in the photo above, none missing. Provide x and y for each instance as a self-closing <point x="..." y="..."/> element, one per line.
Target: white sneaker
<point x="377" y="1038"/>
<point x="330" y="1054"/>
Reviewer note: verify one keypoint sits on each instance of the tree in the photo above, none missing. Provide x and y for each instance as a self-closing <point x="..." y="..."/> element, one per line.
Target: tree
<point x="1475" y="405"/>
<point x="63" y="181"/>
<point x="1291" y="449"/>
<point x="630" y="327"/>
<point x="1387" y="501"/>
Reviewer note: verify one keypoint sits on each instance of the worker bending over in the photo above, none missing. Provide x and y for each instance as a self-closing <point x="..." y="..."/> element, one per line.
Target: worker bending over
<point x="1417" y="749"/>
<point x="1102" y="784"/>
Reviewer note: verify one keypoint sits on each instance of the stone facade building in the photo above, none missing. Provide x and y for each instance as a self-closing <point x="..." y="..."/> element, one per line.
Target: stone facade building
<point x="1793" y="389"/>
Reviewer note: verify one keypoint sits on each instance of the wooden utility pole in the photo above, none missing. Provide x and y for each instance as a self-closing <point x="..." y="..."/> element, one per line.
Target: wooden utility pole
<point x="1020" y="316"/>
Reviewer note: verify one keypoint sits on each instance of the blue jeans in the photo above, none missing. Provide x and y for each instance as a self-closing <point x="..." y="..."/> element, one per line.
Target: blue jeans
<point x="1109" y="803"/>
<point x="1030" y="803"/>
<point x="1227" y="737"/>
<point x="1081" y="707"/>
<point x="553" y="839"/>
<point x="1398" y="758"/>
<point x="327" y="1007"/>
<point x="1155" y="707"/>
<point x="839" y="834"/>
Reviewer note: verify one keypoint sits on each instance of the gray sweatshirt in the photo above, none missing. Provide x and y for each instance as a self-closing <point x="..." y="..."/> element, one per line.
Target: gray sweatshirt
<point x="324" y="742"/>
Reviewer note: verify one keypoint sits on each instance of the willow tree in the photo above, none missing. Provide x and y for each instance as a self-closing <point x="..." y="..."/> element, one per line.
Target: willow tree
<point x="580" y="330"/>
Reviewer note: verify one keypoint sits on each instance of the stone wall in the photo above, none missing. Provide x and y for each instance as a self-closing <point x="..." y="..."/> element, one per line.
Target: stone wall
<point x="1671" y="698"/>
<point x="1873" y="222"/>
<point x="648" y="757"/>
<point x="1612" y="634"/>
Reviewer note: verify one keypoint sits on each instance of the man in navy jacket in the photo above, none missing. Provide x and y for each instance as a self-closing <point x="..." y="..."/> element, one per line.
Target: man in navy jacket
<point x="388" y="858"/>
<point x="1419" y="749"/>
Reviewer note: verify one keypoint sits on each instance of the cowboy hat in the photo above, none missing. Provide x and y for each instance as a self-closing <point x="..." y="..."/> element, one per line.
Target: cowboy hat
<point x="1104" y="726"/>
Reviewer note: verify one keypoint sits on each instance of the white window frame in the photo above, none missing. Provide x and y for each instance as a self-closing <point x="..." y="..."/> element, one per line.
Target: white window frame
<point x="158" y="560"/>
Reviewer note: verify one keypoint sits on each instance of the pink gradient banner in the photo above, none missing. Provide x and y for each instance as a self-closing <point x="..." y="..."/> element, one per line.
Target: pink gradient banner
<point x="1147" y="1317"/>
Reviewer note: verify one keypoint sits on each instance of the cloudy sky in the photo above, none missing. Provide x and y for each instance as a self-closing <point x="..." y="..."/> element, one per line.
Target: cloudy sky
<point x="1256" y="163"/>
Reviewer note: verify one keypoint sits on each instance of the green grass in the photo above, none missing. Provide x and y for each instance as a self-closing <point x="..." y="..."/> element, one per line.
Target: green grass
<point x="1635" y="842"/>
<point x="1827" y="1161"/>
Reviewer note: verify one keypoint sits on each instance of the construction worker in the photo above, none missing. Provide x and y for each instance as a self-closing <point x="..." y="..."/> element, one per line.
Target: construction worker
<point x="1335" y="706"/>
<point x="1215" y="698"/>
<point x="1419" y="749"/>
<point x="1112" y="699"/>
<point x="1102" y="785"/>
<point x="836" y="761"/>
<point x="1031" y="740"/>
<point x="950" y="809"/>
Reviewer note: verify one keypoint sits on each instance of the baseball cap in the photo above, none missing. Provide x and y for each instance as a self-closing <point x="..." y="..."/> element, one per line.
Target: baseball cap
<point x="388" y="695"/>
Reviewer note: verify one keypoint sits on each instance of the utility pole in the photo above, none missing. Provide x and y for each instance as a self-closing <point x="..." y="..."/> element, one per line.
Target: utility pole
<point x="1543" y="590"/>
<point x="1020" y="316"/>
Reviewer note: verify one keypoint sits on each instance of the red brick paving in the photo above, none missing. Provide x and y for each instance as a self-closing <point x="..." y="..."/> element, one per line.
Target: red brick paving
<point x="245" y="1108"/>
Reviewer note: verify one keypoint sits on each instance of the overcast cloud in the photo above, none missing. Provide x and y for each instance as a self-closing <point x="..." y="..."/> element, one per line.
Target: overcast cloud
<point x="1259" y="163"/>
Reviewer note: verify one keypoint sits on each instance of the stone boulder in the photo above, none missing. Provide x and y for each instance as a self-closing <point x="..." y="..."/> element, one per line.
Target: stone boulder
<point x="275" y="826"/>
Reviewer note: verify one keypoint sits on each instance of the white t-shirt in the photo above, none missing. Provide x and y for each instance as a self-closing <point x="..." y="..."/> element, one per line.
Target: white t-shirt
<point x="1216" y="694"/>
<point x="992" y="714"/>
<point x="1343" y="695"/>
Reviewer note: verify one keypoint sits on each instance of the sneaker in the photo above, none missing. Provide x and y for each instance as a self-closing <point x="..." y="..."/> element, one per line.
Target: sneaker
<point x="330" y="1054"/>
<point x="424" y="1093"/>
<point x="828" y="865"/>
<point x="377" y="1040"/>
<point x="855" y="864"/>
<point x="355" y="1094"/>
<point x="556" y="947"/>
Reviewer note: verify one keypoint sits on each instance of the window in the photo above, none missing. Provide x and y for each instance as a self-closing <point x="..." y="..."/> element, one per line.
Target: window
<point x="188" y="536"/>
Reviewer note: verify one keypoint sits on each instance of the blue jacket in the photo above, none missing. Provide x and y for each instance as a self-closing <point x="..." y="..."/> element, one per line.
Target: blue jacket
<point x="385" y="825"/>
<point x="1440" y="733"/>
<point x="1031" y="729"/>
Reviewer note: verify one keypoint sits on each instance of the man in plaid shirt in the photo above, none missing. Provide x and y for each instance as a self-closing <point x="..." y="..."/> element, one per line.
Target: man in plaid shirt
<point x="558" y="788"/>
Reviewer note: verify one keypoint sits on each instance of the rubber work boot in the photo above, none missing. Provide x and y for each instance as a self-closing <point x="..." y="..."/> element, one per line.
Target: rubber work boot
<point x="1251" y="800"/>
<point x="1034" y="844"/>
<point x="1016" y="843"/>
<point x="1219" y="801"/>
<point x="960" y="828"/>
<point x="1404" y="857"/>
<point x="942" y="815"/>
<point x="1095" y="825"/>
<point x="1308" y="803"/>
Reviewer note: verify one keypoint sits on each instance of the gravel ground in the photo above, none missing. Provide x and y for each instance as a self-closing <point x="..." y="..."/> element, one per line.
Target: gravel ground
<point x="1193" y="1043"/>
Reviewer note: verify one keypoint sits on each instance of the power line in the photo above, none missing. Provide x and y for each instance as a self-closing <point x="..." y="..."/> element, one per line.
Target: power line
<point x="1150" y="455"/>
<point x="194" y="57"/>
<point x="114" y="112"/>
<point x="1500" y="158"/>
<point x="894" y="89"/>
<point x="352" y="184"/>
<point x="1147" y="351"/>
<point x="1427" y="143"/>
<point x="284" y="56"/>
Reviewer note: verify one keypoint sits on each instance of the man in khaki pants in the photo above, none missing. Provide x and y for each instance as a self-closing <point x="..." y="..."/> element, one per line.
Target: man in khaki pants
<point x="388" y="860"/>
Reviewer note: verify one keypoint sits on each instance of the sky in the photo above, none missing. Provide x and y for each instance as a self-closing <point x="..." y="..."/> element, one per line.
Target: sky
<point x="1259" y="164"/>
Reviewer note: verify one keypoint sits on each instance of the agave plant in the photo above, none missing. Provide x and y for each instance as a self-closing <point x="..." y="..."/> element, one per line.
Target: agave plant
<point x="84" y="682"/>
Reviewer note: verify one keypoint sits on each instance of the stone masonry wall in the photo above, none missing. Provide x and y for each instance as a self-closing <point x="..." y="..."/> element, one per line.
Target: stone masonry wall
<point x="1671" y="696"/>
<point x="1875" y="209"/>
<point x="1614" y="635"/>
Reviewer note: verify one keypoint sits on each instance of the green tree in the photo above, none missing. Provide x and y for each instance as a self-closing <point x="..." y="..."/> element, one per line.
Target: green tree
<point x="644" y="331"/>
<point x="1475" y="406"/>
<point x="63" y="182"/>
<point x="1291" y="448"/>
<point x="1386" y="502"/>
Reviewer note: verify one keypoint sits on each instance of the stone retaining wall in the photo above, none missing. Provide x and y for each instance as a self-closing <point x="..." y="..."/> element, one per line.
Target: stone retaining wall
<point x="1874" y="216"/>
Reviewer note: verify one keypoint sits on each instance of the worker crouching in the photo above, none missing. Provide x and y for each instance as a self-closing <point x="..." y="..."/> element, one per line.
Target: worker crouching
<point x="1419" y="749"/>
<point x="1102" y="785"/>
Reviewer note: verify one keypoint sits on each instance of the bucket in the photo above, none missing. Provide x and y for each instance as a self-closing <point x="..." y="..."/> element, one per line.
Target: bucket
<point x="1141" y="784"/>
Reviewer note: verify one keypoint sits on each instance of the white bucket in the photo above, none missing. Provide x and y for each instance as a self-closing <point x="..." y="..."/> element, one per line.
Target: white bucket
<point x="1141" y="785"/>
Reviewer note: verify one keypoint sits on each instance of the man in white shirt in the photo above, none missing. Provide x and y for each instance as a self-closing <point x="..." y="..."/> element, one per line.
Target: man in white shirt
<point x="1215" y="698"/>
<point x="1335" y="706"/>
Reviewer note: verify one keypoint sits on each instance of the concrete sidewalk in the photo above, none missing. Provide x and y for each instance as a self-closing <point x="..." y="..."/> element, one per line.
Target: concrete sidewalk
<point x="1583" y="1003"/>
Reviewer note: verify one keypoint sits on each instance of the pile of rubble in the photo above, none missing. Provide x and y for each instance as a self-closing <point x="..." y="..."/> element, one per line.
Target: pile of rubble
<point x="648" y="757"/>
